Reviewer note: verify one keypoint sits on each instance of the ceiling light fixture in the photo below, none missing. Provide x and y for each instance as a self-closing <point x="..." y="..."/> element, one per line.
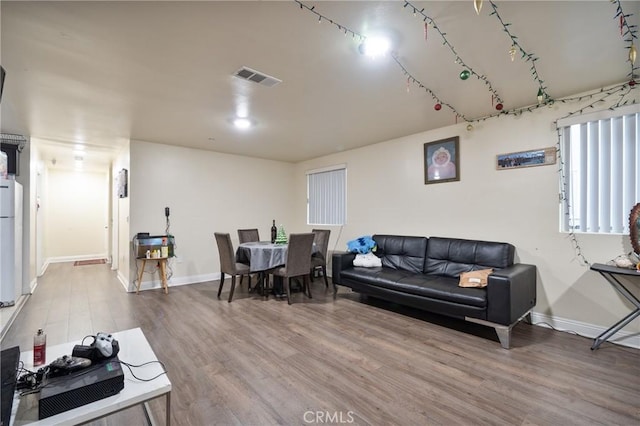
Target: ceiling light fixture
<point x="242" y="123"/>
<point x="375" y="46"/>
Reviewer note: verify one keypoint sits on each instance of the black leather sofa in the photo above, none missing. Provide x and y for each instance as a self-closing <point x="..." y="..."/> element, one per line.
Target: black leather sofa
<point x="424" y="273"/>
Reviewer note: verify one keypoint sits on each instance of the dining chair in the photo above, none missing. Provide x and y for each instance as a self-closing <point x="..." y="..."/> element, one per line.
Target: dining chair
<point x="298" y="262"/>
<point x="319" y="258"/>
<point x="248" y="236"/>
<point x="228" y="264"/>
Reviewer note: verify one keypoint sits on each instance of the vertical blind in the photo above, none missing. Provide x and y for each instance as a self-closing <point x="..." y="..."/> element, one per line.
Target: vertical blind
<point x="326" y="196"/>
<point x="601" y="171"/>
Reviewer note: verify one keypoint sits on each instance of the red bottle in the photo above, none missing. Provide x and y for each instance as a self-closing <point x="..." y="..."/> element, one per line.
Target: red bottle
<point x="39" y="348"/>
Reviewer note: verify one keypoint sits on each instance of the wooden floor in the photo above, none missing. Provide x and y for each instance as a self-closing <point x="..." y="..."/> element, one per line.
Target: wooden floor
<point x="326" y="361"/>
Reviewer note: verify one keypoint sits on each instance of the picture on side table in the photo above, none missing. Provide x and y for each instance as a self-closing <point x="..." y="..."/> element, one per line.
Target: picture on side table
<point x="535" y="157"/>
<point x="442" y="161"/>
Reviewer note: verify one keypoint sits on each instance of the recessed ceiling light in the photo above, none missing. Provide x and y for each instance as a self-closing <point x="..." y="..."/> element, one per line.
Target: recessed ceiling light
<point x="242" y="123"/>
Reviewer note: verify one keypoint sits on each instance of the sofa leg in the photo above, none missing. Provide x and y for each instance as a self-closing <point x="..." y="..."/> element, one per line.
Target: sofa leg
<point x="504" y="335"/>
<point x="503" y="331"/>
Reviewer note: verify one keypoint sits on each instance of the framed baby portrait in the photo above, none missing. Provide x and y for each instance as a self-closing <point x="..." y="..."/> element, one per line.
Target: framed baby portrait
<point x="442" y="161"/>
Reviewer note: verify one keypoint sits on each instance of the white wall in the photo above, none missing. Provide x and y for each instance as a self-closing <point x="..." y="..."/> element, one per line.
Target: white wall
<point x="386" y="194"/>
<point x="206" y="192"/>
<point x="76" y="215"/>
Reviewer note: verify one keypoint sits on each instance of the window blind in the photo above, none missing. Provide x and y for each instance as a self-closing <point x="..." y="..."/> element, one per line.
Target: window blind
<point x="601" y="171"/>
<point x="326" y="196"/>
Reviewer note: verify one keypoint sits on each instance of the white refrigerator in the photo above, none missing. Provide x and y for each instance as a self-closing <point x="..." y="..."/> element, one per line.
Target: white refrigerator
<point x="10" y="241"/>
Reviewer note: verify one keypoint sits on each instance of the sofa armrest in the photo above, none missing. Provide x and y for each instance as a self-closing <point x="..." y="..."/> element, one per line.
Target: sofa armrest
<point x="340" y="261"/>
<point x="511" y="293"/>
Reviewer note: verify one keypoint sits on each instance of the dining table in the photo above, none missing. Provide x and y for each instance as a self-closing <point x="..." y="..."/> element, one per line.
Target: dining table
<point x="262" y="256"/>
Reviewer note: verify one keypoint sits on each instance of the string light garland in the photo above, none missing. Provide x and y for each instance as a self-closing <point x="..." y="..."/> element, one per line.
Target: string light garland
<point x="622" y="89"/>
<point x="469" y="71"/>
<point x="340" y="27"/>
<point x="439" y="103"/>
<point x="410" y="78"/>
<point x="629" y="34"/>
<point x="528" y="57"/>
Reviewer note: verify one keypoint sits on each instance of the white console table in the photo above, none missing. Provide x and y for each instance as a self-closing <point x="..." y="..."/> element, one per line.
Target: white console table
<point x="134" y="349"/>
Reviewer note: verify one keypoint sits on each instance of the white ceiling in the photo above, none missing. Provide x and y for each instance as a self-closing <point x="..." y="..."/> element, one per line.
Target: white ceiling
<point x="101" y="73"/>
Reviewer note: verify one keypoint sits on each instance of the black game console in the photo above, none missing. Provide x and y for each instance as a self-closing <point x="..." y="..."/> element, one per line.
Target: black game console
<point x="100" y="380"/>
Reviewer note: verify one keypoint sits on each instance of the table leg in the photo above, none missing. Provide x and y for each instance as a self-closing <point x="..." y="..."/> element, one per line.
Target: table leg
<point x="168" y="410"/>
<point x="163" y="275"/>
<point x="617" y="285"/>
<point x="144" y="263"/>
<point x="614" y="329"/>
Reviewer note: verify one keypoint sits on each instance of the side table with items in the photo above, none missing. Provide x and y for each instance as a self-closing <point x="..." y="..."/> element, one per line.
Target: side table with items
<point x="158" y="249"/>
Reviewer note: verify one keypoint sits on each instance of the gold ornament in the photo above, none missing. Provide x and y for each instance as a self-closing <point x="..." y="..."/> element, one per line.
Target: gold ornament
<point x="512" y="52"/>
<point x="477" y="4"/>
<point x="632" y="54"/>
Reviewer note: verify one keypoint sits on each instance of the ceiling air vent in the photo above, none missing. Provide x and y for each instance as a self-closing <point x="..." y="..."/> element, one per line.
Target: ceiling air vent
<point x="246" y="73"/>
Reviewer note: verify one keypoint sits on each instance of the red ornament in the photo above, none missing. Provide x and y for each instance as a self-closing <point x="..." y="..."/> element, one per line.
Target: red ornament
<point x="499" y="106"/>
<point x="437" y="107"/>
<point x="632" y="83"/>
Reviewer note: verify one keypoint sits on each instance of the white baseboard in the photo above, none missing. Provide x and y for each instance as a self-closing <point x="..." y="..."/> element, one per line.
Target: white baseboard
<point x="59" y="259"/>
<point x="623" y="338"/>
<point x="174" y="282"/>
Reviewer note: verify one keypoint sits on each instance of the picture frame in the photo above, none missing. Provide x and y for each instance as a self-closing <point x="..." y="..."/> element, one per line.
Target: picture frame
<point x="442" y="161"/>
<point x="531" y="158"/>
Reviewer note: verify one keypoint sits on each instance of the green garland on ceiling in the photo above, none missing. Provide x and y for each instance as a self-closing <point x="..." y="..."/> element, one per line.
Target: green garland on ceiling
<point x="629" y="34"/>
<point x="347" y="31"/>
<point x="432" y="22"/>
<point x="599" y="95"/>
<point x="543" y="96"/>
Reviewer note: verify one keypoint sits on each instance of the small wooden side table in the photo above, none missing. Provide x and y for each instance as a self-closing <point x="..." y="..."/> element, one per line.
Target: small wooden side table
<point x="162" y="263"/>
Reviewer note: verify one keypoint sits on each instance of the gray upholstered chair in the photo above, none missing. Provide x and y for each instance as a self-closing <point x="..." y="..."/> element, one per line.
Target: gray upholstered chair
<point x="228" y="264"/>
<point x="248" y="235"/>
<point x="298" y="262"/>
<point x="319" y="258"/>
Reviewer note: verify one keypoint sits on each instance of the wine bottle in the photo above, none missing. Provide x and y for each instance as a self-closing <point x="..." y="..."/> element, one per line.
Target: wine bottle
<point x="274" y="231"/>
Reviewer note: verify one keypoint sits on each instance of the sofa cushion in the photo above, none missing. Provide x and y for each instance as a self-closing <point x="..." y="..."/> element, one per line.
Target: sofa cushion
<point x="402" y="253"/>
<point x="431" y="286"/>
<point x="450" y="256"/>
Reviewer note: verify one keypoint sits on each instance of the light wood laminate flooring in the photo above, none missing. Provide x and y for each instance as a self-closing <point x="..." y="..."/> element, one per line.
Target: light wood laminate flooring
<point x="325" y="361"/>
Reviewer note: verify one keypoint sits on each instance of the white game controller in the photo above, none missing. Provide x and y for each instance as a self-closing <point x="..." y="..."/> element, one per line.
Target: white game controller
<point x="104" y="344"/>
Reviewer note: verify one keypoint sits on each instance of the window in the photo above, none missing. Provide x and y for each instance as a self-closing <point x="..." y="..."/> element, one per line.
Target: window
<point x="601" y="170"/>
<point x="327" y="196"/>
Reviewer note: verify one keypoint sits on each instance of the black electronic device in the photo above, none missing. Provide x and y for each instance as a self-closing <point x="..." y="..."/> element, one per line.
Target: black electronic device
<point x="99" y="381"/>
<point x="104" y="346"/>
<point x="66" y="365"/>
<point x="166" y="211"/>
<point x="9" y="360"/>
